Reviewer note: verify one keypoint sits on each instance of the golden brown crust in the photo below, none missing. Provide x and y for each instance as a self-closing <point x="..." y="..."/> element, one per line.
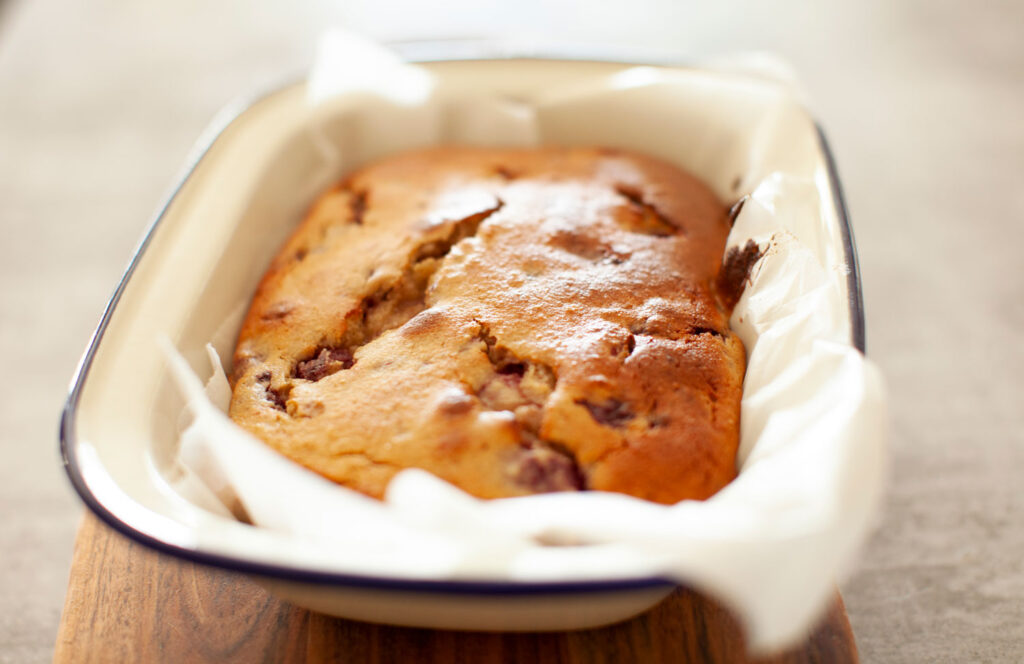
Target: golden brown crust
<point x="512" y="321"/>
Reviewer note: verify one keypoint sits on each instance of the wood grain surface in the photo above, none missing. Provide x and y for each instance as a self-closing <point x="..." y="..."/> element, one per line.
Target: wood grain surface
<point x="127" y="603"/>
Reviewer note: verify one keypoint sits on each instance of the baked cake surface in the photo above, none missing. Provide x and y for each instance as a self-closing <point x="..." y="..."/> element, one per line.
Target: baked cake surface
<point x="513" y="321"/>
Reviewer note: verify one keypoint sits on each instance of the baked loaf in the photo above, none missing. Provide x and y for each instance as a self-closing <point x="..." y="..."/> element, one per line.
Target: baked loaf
<point x="513" y="321"/>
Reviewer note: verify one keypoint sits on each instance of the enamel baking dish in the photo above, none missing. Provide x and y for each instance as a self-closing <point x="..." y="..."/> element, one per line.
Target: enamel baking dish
<point x="245" y="188"/>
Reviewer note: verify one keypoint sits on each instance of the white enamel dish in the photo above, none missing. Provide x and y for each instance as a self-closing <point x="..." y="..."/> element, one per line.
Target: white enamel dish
<point x="203" y="254"/>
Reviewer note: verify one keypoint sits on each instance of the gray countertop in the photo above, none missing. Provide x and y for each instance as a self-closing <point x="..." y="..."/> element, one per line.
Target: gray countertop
<point x="923" y="102"/>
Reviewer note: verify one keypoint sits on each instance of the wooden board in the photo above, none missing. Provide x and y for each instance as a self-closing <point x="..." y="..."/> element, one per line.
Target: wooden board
<point x="127" y="603"/>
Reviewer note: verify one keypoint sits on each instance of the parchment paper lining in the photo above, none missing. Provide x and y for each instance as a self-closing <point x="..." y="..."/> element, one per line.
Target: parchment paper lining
<point x="774" y="542"/>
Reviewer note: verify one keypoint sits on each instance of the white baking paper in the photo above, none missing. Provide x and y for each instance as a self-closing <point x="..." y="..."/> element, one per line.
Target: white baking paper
<point x="772" y="544"/>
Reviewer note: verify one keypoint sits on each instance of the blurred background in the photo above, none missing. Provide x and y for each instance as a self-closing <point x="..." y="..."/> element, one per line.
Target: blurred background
<point x="100" y="101"/>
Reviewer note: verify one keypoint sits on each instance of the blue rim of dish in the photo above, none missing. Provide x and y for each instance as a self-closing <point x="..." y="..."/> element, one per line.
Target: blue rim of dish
<point x="69" y="442"/>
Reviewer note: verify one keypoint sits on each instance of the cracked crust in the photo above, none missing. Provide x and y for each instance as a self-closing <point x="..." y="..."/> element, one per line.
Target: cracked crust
<point x="513" y="321"/>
